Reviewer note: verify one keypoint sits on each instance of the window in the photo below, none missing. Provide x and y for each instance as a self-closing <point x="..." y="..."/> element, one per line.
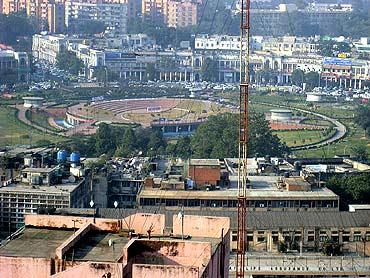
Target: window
<point x="357" y="236"/>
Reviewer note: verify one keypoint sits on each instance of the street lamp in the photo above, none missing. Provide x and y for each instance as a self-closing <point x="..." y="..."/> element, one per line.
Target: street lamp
<point x="115" y="205"/>
<point x="92" y="206"/>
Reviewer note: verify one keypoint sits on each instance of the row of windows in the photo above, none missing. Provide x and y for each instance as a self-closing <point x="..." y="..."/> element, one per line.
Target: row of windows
<point x="323" y="236"/>
<point x="233" y="203"/>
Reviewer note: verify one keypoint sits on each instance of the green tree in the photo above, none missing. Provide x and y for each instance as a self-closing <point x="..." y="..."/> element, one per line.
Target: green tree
<point x="298" y="77"/>
<point x="362" y="118"/>
<point x="330" y="48"/>
<point x="360" y="152"/>
<point x="68" y="61"/>
<point x="156" y="143"/>
<point x="88" y="27"/>
<point x="150" y="71"/>
<point x="352" y="189"/>
<point x="183" y="148"/>
<point x="104" y="140"/>
<point x="128" y="144"/>
<point x="209" y="70"/>
<point x="15" y="25"/>
<point x="218" y="138"/>
<point x="312" y="80"/>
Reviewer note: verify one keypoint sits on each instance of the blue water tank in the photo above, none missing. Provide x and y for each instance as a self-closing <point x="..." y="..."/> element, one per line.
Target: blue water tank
<point x="62" y="156"/>
<point x="75" y="157"/>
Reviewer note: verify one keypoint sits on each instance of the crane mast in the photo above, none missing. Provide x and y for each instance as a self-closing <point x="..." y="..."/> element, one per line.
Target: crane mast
<point x="243" y="135"/>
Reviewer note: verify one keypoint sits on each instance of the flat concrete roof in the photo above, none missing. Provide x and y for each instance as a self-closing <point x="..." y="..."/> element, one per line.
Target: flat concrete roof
<point x="94" y="246"/>
<point x="44" y="189"/>
<point x="38" y="170"/>
<point x="204" y="162"/>
<point x="35" y="243"/>
<point x="231" y="194"/>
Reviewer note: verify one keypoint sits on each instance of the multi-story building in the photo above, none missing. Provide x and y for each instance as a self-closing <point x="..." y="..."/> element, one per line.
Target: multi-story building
<point x="363" y="46"/>
<point x="133" y="7"/>
<point x="113" y="15"/>
<point x="181" y="13"/>
<point x="39" y="188"/>
<point x="277" y="22"/>
<point x="289" y="45"/>
<point x="217" y="42"/>
<point x="11" y="6"/>
<point x="136" y="245"/>
<point x="14" y="63"/>
<point x="56" y="18"/>
<point x="47" y="47"/>
<point x="155" y="8"/>
<point x="175" y="13"/>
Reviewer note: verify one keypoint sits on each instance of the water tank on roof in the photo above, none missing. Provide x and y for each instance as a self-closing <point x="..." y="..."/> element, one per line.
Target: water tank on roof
<point x="62" y="156"/>
<point x="75" y="157"/>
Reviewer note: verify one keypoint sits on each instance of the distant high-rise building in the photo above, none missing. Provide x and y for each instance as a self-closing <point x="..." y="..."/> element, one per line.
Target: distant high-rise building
<point x="56" y="17"/>
<point x="174" y="13"/>
<point x="113" y="15"/>
<point x="181" y="13"/>
<point x="155" y="8"/>
<point x="11" y="6"/>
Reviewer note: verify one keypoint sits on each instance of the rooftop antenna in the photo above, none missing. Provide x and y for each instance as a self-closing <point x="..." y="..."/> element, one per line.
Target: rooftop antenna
<point x="243" y="136"/>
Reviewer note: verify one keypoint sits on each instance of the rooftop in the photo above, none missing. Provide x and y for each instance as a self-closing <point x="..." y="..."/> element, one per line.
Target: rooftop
<point x="257" y="219"/>
<point x="38" y="170"/>
<point x="37" y="189"/>
<point x="204" y="162"/>
<point x="36" y="243"/>
<point x="94" y="246"/>
<point x="252" y="194"/>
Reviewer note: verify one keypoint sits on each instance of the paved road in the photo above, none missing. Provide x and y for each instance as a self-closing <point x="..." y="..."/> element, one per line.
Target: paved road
<point x="22" y="117"/>
<point x="340" y="132"/>
<point x="340" y="128"/>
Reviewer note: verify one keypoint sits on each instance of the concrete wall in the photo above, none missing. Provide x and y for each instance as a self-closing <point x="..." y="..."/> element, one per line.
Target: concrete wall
<point x="140" y="222"/>
<point x="159" y="271"/>
<point x="65" y="246"/>
<point x="186" y="253"/>
<point x="14" y="267"/>
<point x="202" y="226"/>
<point x="91" y="269"/>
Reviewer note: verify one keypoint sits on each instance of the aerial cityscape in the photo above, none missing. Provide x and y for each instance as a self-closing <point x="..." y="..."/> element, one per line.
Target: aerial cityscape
<point x="184" y="138"/>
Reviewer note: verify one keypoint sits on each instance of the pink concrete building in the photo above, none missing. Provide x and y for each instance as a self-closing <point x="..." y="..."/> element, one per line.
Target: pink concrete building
<point x="137" y="246"/>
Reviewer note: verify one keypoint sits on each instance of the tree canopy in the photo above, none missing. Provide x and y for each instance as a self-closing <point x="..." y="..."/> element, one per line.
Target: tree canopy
<point x="15" y="25"/>
<point x="218" y="138"/>
<point x="88" y="27"/>
<point x="68" y="61"/>
<point x="351" y="190"/>
<point x="362" y="118"/>
<point x="209" y="70"/>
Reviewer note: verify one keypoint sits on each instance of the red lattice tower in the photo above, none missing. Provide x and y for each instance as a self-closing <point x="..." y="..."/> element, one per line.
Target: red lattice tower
<point x="243" y="135"/>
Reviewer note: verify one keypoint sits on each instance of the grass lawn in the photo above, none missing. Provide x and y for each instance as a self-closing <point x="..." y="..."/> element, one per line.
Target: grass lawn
<point x="14" y="132"/>
<point x="40" y="118"/>
<point x="300" y="137"/>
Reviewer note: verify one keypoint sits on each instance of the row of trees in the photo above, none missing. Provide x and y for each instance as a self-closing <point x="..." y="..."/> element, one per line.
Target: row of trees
<point x="312" y="79"/>
<point x="351" y="190"/>
<point x="217" y="138"/>
<point x="363" y="118"/>
<point x="15" y="25"/>
<point x="68" y="61"/>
